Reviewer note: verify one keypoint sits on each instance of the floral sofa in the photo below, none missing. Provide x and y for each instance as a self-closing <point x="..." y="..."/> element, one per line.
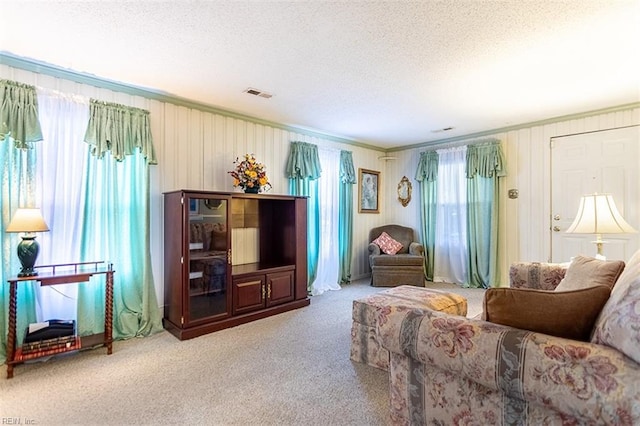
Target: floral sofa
<point x="446" y="369"/>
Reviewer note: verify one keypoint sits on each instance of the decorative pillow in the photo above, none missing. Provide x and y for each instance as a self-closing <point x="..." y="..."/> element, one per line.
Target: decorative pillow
<point x="619" y="323"/>
<point x="588" y="272"/>
<point x="387" y="244"/>
<point x="569" y="314"/>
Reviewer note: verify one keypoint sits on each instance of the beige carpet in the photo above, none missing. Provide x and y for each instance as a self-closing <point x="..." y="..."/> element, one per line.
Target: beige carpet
<point x="290" y="369"/>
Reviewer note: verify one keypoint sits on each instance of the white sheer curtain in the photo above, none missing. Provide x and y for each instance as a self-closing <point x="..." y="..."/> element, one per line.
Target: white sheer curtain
<point x="450" y="257"/>
<point x="60" y="169"/>
<point x="328" y="185"/>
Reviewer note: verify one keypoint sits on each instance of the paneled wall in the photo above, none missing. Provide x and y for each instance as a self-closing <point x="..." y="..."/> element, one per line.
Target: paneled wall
<point x="524" y="222"/>
<point x="196" y="147"/>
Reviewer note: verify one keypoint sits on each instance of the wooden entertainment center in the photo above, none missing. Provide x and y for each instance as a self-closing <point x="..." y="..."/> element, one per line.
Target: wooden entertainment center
<point x="208" y="285"/>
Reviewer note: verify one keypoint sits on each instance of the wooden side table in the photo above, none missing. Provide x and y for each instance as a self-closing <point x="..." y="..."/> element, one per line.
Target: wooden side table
<point x="66" y="273"/>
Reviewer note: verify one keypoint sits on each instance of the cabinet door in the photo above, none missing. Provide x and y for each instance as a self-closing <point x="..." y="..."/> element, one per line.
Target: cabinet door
<point x="279" y="288"/>
<point x="248" y="293"/>
<point x="207" y="260"/>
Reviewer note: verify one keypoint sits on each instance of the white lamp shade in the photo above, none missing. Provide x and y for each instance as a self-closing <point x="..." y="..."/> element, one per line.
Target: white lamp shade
<point x="598" y="214"/>
<point x="27" y="220"/>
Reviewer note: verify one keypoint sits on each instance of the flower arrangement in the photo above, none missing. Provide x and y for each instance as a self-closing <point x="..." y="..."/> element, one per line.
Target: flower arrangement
<point x="249" y="174"/>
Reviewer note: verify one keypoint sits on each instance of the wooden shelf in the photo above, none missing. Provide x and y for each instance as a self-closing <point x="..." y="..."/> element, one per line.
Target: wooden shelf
<point x="61" y="274"/>
<point x="204" y="255"/>
<point x="252" y="268"/>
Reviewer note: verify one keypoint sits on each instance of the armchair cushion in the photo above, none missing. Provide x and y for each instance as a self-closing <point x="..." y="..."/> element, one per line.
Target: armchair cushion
<point x="569" y="314"/>
<point x="619" y="323"/>
<point x="396" y="260"/>
<point x="387" y="244"/>
<point x="588" y="271"/>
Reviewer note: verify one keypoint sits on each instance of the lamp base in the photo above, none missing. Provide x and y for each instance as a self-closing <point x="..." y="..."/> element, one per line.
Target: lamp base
<point x="28" y="250"/>
<point x="599" y="245"/>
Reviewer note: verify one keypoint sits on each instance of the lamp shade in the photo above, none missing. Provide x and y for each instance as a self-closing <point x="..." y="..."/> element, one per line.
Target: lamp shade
<point x="27" y="220"/>
<point x="598" y="214"/>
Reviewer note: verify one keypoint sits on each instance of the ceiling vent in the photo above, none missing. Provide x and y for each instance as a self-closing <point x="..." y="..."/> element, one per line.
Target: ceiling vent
<point x="256" y="92"/>
<point x="446" y="129"/>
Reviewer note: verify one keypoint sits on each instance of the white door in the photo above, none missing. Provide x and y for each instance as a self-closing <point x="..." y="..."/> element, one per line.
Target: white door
<point x="605" y="162"/>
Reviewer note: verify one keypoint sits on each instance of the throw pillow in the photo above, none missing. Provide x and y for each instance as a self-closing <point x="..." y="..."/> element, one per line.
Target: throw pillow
<point x="569" y="314"/>
<point x="619" y="323"/>
<point x="387" y="244"/>
<point x="587" y="271"/>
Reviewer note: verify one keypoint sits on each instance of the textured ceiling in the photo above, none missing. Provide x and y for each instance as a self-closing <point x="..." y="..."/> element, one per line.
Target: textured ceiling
<point x="382" y="73"/>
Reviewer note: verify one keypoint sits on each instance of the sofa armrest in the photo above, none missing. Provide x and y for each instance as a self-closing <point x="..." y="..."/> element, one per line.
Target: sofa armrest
<point x="374" y="249"/>
<point x="583" y="380"/>
<point x="416" y="249"/>
<point x="536" y="275"/>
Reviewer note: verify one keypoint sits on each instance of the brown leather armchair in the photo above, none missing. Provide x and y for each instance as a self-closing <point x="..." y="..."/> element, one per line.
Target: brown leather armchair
<point x="403" y="268"/>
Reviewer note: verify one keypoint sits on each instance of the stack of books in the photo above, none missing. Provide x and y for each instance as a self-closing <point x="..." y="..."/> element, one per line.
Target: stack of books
<point x="49" y="344"/>
<point x="52" y="335"/>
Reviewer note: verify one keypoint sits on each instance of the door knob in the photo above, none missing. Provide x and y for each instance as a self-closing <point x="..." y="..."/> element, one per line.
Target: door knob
<point x="556" y="229"/>
<point x="556" y="217"/>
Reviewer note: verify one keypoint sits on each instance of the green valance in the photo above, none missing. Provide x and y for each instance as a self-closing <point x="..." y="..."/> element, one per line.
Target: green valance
<point x="486" y="160"/>
<point x="427" y="166"/>
<point x="303" y="161"/>
<point x="19" y="114"/>
<point x="347" y="171"/>
<point x="119" y="129"/>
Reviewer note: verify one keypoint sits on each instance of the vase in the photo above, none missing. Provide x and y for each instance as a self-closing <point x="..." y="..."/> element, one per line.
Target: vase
<point x="253" y="190"/>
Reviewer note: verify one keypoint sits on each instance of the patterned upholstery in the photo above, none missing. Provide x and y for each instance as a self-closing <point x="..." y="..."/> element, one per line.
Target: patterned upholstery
<point x="536" y="275"/>
<point x="387" y="244"/>
<point x="365" y="345"/>
<point x="619" y="322"/>
<point x="448" y="369"/>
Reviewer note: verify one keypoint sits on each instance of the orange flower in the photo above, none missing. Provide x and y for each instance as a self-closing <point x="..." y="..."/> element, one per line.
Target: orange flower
<point x="248" y="173"/>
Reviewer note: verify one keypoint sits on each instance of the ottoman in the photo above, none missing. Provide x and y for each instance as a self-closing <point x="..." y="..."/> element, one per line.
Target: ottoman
<point x="365" y="346"/>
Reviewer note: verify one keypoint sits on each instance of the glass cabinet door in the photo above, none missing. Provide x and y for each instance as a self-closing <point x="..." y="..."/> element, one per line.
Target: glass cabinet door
<point x="207" y="260"/>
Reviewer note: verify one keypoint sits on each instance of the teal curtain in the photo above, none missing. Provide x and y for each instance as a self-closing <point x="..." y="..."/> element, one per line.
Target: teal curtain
<point x="18" y="114"/>
<point x="426" y="175"/>
<point x="485" y="164"/>
<point x="303" y="170"/>
<point x="116" y="226"/>
<point x="345" y="215"/>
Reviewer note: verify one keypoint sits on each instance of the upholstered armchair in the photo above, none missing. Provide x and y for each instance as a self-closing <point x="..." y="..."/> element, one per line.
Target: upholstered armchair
<point x="394" y="268"/>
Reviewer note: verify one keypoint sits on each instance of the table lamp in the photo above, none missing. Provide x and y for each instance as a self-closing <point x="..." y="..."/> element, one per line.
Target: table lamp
<point x="27" y="221"/>
<point x="598" y="215"/>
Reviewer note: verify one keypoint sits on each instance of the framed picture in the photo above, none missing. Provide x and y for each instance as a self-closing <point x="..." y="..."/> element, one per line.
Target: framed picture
<point x="368" y="191"/>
